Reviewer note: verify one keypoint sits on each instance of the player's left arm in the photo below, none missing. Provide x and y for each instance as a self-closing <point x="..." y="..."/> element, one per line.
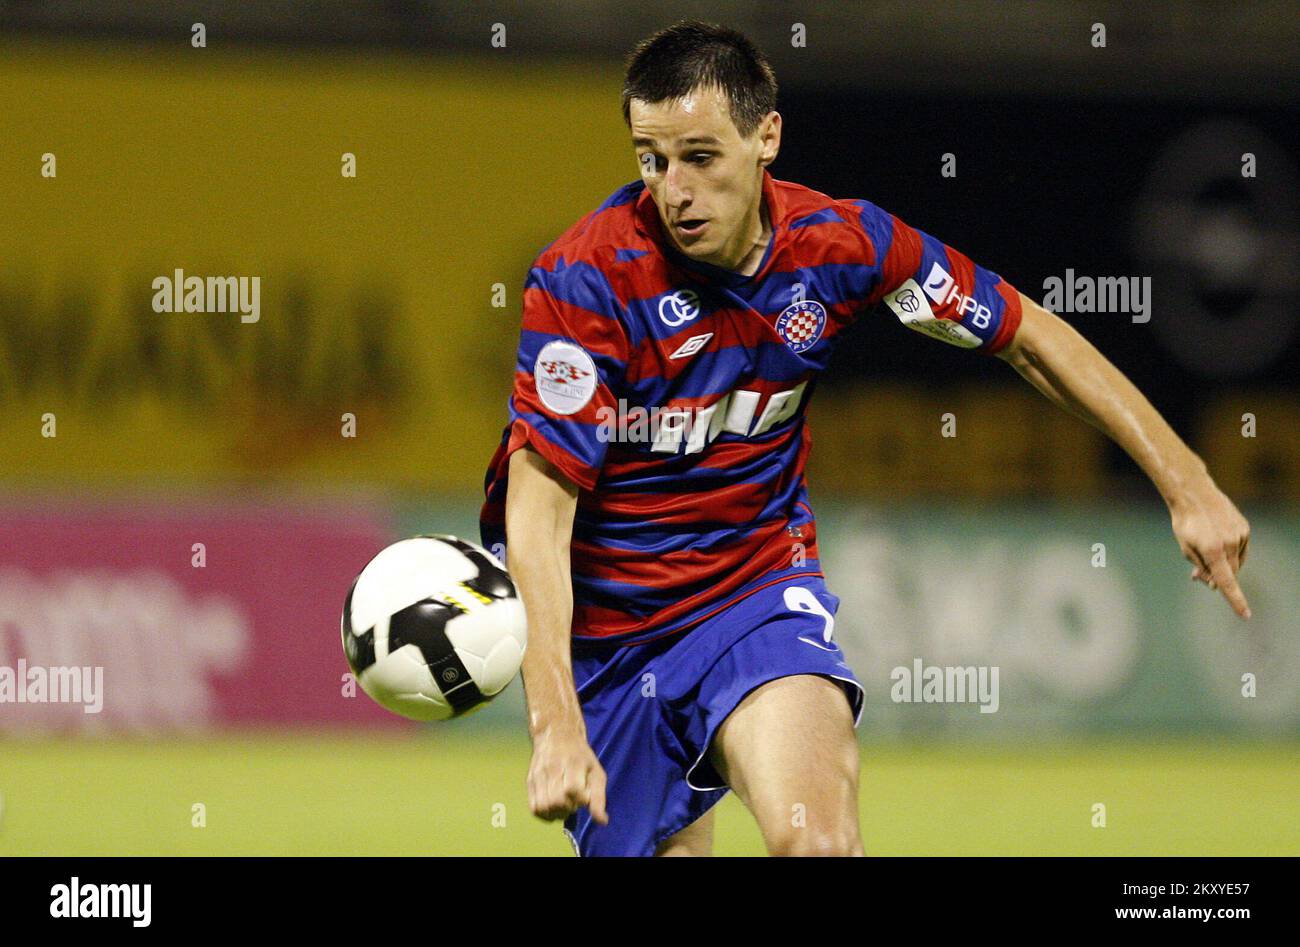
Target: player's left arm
<point x="1065" y="367"/>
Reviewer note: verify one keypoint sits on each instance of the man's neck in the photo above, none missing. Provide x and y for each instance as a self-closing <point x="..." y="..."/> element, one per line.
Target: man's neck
<point x="754" y="258"/>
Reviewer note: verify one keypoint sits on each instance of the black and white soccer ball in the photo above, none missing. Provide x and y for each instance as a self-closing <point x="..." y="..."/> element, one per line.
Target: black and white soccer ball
<point x="433" y="627"/>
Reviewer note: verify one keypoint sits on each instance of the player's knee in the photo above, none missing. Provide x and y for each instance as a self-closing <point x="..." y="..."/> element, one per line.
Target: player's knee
<point x="693" y="849"/>
<point x="690" y="843"/>
<point x="809" y="841"/>
<point x="696" y="840"/>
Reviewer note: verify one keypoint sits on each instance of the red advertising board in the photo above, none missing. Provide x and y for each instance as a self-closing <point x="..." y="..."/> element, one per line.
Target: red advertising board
<point x="152" y="616"/>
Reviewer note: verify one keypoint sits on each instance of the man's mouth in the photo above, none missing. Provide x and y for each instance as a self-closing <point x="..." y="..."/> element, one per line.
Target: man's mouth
<point x="690" y="227"/>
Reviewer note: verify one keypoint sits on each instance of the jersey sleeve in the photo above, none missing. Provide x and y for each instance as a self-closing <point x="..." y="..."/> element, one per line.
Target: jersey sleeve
<point x="935" y="289"/>
<point x="572" y="357"/>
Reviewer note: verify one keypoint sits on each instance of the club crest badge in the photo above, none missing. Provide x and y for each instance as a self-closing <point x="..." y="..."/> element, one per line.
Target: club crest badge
<point x="801" y="324"/>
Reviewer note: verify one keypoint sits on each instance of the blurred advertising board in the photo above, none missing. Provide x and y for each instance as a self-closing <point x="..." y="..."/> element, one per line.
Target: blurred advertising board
<point x="1086" y="612"/>
<point x="1018" y="622"/>
<point x="365" y="225"/>
<point x="363" y="244"/>
<point x="150" y="616"/>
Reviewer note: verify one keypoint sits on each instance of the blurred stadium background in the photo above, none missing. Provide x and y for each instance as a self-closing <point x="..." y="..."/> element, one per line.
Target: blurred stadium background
<point x="225" y="698"/>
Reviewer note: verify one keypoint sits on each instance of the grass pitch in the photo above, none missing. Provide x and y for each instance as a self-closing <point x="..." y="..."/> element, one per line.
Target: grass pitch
<point x="438" y="792"/>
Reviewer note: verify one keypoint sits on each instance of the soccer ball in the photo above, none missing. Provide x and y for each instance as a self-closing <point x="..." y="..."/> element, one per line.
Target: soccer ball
<point x="433" y="628"/>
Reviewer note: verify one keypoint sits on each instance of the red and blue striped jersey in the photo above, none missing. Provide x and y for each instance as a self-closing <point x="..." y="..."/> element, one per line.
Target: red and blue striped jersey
<point x="674" y="393"/>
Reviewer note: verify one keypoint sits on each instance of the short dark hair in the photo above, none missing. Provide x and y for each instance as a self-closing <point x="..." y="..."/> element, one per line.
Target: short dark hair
<point x="690" y="54"/>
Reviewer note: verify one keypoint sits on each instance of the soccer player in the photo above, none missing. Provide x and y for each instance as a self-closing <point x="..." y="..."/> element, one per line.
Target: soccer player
<point x="650" y="486"/>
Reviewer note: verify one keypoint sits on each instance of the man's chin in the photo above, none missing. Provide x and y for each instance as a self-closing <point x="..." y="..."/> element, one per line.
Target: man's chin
<point x="695" y="252"/>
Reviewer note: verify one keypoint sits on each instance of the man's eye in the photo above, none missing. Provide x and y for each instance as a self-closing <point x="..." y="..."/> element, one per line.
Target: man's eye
<point x="701" y="157"/>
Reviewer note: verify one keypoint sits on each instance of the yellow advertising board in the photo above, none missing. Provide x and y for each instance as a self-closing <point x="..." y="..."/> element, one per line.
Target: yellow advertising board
<point x="375" y="292"/>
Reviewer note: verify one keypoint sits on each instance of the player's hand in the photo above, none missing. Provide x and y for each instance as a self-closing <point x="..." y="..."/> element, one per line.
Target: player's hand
<point x="1213" y="536"/>
<point x="565" y="775"/>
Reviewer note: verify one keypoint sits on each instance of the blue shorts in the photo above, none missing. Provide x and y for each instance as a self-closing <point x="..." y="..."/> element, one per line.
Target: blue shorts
<point x="652" y="709"/>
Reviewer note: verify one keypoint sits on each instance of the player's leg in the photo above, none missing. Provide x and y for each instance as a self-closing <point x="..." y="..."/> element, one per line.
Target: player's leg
<point x="788" y="750"/>
<point x="696" y="839"/>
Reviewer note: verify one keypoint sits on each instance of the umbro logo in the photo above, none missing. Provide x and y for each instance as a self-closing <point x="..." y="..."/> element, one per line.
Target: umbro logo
<point x="692" y="345"/>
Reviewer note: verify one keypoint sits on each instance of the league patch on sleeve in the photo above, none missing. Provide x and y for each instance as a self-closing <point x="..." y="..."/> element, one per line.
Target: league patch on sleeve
<point x="913" y="310"/>
<point x="565" y="376"/>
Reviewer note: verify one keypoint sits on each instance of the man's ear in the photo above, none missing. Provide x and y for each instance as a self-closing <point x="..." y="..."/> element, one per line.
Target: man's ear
<point x="770" y="133"/>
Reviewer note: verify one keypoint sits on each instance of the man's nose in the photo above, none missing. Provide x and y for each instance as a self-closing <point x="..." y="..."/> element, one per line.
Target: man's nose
<point x="675" y="185"/>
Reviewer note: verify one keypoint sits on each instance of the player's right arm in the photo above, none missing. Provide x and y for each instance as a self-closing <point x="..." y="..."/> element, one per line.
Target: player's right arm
<point x="564" y="772"/>
<point x="573" y="352"/>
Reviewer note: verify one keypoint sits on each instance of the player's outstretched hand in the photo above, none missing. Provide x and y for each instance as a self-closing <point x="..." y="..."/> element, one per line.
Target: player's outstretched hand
<point x="564" y="775"/>
<point x="1213" y="536"/>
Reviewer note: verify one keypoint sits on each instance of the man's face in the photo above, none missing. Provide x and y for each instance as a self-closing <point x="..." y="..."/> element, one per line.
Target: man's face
<point x="704" y="177"/>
